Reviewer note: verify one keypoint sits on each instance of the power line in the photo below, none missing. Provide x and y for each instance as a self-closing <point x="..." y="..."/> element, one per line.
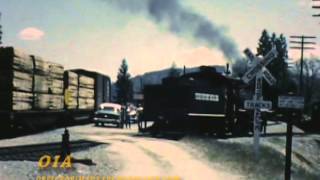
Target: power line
<point x="302" y="43"/>
<point x="316" y="7"/>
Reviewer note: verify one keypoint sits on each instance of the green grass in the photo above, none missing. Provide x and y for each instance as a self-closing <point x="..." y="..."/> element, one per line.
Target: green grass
<point x="239" y="158"/>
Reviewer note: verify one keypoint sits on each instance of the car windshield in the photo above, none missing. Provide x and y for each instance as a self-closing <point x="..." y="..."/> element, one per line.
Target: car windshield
<point x="110" y="109"/>
<point x="107" y="108"/>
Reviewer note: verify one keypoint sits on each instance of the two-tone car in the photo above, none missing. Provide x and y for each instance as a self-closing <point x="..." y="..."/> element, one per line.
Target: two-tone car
<point x="108" y="113"/>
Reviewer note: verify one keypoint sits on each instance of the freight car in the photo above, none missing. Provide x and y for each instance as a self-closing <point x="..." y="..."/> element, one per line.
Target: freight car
<point x="33" y="91"/>
<point x="205" y="101"/>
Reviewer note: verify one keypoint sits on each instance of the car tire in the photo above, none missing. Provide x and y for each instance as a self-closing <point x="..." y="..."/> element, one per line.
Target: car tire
<point x="96" y="124"/>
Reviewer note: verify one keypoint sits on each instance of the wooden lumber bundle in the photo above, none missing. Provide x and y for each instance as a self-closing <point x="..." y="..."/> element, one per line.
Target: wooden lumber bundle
<point x="15" y="80"/>
<point x="21" y="81"/>
<point x="86" y="82"/>
<point x="71" y="78"/>
<point x="16" y="69"/>
<point x="71" y="85"/>
<point x="86" y="103"/>
<point x="19" y="106"/>
<point x="73" y="91"/>
<point x="80" y="89"/>
<point x="48" y="101"/>
<point x="48" y="76"/>
<point x="41" y="84"/>
<point x="72" y="103"/>
<point x="28" y="82"/>
<point x="46" y="84"/>
<point x="56" y="86"/>
<point x="48" y="68"/>
<point x="73" y="99"/>
<point x="22" y="64"/>
<point x="86" y="93"/>
<point x="17" y="100"/>
<point x="15" y="59"/>
<point x="21" y="100"/>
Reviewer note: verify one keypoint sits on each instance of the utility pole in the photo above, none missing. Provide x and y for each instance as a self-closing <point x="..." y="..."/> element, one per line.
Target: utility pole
<point x="302" y="43"/>
<point x="316" y="7"/>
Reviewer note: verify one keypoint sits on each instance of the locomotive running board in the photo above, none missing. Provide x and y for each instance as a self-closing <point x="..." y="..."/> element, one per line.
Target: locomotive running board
<point x="206" y="115"/>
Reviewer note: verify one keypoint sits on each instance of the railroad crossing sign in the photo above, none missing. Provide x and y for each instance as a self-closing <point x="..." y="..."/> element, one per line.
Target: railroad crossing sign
<point x="291" y="102"/>
<point x="268" y="76"/>
<point x="251" y="104"/>
<point x="260" y="66"/>
<point x="258" y="71"/>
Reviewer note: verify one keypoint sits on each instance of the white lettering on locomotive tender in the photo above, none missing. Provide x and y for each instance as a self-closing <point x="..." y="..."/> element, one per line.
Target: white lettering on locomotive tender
<point x="206" y="97"/>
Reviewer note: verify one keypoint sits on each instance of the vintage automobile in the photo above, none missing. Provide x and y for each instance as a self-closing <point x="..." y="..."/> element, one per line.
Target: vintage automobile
<point x="108" y="113"/>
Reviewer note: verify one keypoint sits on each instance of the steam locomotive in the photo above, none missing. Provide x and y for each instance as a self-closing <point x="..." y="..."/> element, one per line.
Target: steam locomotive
<point x="206" y="101"/>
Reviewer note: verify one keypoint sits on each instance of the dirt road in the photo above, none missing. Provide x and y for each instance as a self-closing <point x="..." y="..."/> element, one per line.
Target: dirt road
<point x="145" y="156"/>
<point x="125" y="152"/>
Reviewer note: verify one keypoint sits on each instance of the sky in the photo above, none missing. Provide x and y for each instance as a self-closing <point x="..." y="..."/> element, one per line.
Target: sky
<point x="97" y="34"/>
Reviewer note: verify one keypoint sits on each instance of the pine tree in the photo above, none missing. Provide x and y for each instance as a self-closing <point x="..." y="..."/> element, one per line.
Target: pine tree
<point x="124" y="84"/>
<point x="278" y="67"/>
<point x="265" y="44"/>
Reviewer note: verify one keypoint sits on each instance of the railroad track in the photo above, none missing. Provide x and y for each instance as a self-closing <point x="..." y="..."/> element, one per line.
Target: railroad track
<point x="35" y="151"/>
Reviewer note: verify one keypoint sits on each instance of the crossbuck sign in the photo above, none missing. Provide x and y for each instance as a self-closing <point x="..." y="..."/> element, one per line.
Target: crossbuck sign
<point x="259" y="66"/>
<point x="259" y="71"/>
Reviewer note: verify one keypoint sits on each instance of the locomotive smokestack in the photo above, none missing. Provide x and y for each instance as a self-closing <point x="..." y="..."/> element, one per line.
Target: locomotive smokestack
<point x="227" y="71"/>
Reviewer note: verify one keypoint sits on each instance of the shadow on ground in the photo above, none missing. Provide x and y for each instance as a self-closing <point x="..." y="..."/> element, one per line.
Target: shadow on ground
<point x="34" y="152"/>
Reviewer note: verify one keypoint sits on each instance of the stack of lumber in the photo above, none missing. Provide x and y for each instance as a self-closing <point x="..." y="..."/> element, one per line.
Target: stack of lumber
<point x="71" y="85"/>
<point x="80" y="91"/>
<point x="86" y="92"/>
<point x="48" y="84"/>
<point x="28" y="82"/>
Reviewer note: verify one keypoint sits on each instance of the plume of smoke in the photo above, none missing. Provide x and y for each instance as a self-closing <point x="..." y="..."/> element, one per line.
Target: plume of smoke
<point x="182" y="21"/>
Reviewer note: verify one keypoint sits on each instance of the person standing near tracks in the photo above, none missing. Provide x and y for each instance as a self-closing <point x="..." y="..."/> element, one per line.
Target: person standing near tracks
<point x="125" y="117"/>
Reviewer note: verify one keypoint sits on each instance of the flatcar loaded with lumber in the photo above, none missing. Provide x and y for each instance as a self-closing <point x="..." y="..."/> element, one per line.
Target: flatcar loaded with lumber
<point x="37" y="93"/>
<point x="30" y="87"/>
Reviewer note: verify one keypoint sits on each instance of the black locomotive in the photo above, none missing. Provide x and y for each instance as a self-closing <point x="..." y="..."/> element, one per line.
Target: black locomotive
<point x="205" y="100"/>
